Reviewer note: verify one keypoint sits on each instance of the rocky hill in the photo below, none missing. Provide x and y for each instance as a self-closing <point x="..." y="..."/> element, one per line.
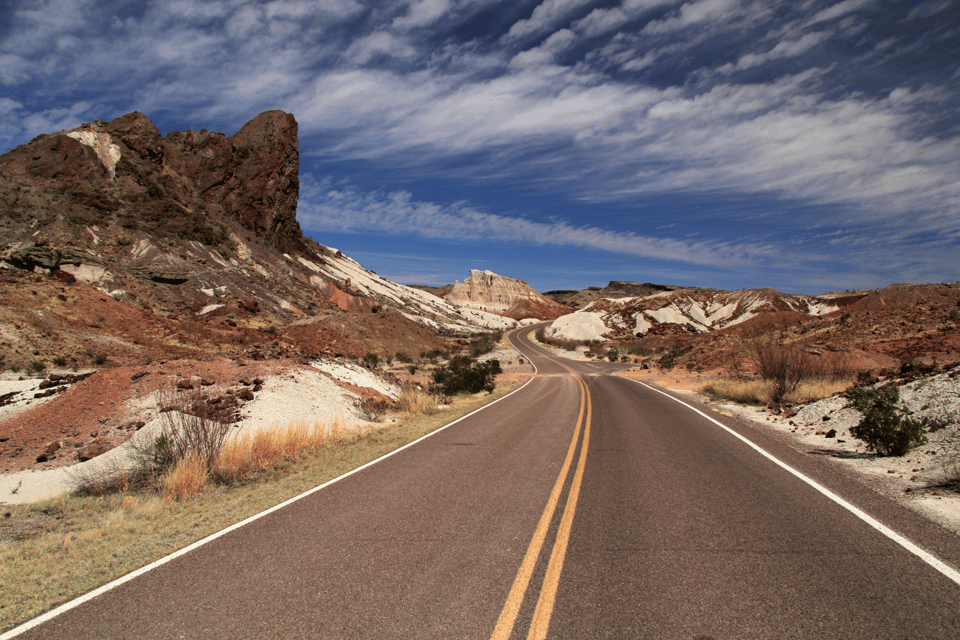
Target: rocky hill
<point x="876" y="329"/>
<point x="487" y="291"/>
<point x="123" y="244"/>
<point x="578" y="298"/>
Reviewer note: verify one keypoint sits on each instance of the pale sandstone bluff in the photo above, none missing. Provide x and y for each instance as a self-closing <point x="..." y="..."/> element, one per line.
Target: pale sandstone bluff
<point x="487" y="291"/>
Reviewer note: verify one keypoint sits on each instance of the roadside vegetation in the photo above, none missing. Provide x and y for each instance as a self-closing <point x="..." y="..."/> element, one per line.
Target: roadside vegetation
<point x="55" y="550"/>
<point x="781" y="374"/>
<point x="886" y="426"/>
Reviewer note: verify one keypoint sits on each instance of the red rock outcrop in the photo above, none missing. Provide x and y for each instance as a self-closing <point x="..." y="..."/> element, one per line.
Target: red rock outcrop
<point x="189" y="185"/>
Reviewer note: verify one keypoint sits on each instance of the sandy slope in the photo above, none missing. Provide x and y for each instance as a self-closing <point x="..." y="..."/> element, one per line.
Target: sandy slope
<point x="323" y="391"/>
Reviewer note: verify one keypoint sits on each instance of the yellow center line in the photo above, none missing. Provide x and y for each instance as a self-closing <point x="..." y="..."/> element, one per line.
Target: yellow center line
<point x="544" y="610"/>
<point x="512" y="607"/>
<point x="548" y="593"/>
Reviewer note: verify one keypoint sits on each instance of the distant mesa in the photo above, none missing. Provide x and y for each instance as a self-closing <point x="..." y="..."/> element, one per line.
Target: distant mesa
<point x="487" y="291"/>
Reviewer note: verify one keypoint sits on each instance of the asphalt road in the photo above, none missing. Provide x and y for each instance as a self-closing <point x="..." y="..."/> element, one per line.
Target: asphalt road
<point x="584" y="505"/>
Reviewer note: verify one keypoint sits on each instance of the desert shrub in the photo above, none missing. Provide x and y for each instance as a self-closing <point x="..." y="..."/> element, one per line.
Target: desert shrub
<point x="485" y="344"/>
<point x="413" y="402"/>
<point x="761" y="392"/>
<point x="613" y="355"/>
<point x="190" y="426"/>
<point x="372" y="409"/>
<point x="886" y="427"/>
<point x="371" y="360"/>
<point x="745" y="391"/>
<point x="950" y="460"/>
<point x="463" y="374"/>
<point x="567" y="344"/>
<point x="99" y="359"/>
<point x="786" y="366"/>
<point x="433" y="355"/>
<point x="59" y="361"/>
<point x="669" y="359"/>
<point x="412" y="368"/>
<point x="403" y="357"/>
<point x="38" y="367"/>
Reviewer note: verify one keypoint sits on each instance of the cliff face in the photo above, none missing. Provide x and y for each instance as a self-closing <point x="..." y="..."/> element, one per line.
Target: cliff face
<point x="515" y="299"/>
<point x="189" y="185"/>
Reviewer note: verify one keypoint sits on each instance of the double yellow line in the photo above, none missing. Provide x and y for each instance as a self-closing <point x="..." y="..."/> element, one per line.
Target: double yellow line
<point x="548" y="591"/>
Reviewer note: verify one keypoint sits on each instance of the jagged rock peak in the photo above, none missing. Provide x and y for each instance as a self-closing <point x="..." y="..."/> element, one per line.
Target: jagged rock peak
<point x="188" y="185"/>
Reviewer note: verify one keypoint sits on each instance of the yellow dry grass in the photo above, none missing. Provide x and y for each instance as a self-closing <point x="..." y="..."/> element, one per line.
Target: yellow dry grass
<point x="761" y="392"/>
<point x="185" y="479"/>
<point x="413" y="402"/>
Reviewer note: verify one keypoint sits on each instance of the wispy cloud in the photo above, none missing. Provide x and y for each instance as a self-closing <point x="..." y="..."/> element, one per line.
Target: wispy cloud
<point x="348" y="210"/>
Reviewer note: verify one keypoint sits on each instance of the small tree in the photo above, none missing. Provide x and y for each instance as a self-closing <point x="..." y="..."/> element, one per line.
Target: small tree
<point x="886" y="426"/>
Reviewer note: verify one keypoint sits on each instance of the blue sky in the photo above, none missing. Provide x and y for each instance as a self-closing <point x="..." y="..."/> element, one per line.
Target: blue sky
<point x="805" y="146"/>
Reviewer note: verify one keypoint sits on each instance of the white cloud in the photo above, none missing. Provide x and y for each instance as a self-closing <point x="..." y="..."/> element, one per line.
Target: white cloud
<point x="693" y="13"/>
<point x="245" y="20"/>
<point x="927" y="9"/>
<point x="300" y="9"/>
<point x="547" y="51"/>
<point x="544" y="16"/>
<point x="784" y="49"/>
<point x="379" y="43"/>
<point x="422" y="13"/>
<point x="837" y="10"/>
<point x="636" y="64"/>
<point x="347" y="210"/>
<point x="601" y="21"/>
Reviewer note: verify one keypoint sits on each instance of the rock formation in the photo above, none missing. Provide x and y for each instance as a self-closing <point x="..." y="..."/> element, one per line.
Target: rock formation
<point x="181" y="245"/>
<point x="487" y="291"/>
<point x="188" y="185"/>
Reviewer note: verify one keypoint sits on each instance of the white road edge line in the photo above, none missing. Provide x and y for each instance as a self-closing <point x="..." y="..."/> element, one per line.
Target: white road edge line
<point x="926" y="556"/>
<point x="72" y="604"/>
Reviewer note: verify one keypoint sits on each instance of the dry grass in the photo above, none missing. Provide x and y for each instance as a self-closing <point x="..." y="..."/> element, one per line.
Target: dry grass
<point x="413" y="402"/>
<point x="185" y="479"/>
<point x="763" y="392"/>
<point x="53" y="551"/>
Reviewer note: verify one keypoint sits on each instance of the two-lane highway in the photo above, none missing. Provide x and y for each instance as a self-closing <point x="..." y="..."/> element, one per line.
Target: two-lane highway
<point x="584" y="505"/>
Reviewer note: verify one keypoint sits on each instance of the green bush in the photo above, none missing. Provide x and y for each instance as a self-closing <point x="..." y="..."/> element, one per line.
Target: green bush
<point x="371" y="360"/>
<point x="886" y="426"/>
<point x="463" y="374"/>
